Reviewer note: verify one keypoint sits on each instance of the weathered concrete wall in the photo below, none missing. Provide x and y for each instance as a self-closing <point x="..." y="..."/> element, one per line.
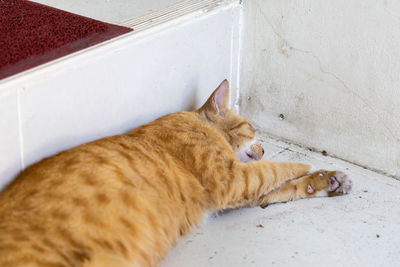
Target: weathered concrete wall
<point x="332" y="68"/>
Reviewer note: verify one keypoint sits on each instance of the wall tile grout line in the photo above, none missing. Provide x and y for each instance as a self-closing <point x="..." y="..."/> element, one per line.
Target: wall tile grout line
<point x="21" y="138"/>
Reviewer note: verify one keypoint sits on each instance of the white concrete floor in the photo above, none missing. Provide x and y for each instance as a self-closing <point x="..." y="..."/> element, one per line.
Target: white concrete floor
<point x="359" y="229"/>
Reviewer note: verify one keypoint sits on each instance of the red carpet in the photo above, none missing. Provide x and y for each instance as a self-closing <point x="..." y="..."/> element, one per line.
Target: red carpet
<point x="32" y="34"/>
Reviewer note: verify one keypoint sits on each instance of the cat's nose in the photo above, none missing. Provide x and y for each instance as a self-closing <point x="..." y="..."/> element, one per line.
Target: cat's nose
<point x="262" y="151"/>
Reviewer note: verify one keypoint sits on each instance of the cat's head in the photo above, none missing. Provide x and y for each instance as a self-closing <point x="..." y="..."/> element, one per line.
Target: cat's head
<point x="237" y="130"/>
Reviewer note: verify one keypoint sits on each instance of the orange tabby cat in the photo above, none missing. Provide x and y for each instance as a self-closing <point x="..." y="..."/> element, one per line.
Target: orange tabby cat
<point x="125" y="200"/>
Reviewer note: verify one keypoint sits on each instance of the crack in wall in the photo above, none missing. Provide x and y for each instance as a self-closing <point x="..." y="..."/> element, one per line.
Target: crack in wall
<point x="333" y="75"/>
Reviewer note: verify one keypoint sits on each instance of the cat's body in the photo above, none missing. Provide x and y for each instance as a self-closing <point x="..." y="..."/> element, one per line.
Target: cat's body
<point x="124" y="200"/>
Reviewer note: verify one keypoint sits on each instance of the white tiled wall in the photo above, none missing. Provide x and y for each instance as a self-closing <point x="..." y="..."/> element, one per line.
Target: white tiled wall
<point x="114" y="88"/>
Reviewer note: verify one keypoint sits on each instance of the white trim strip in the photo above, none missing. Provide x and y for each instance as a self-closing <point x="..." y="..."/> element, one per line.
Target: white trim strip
<point x="173" y="12"/>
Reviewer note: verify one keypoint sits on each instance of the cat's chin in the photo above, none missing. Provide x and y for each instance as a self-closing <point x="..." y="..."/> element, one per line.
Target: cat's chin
<point x="244" y="156"/>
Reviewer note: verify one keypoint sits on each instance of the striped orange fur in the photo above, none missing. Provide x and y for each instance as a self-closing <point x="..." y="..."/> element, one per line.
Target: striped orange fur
<point x="125" y="200"/>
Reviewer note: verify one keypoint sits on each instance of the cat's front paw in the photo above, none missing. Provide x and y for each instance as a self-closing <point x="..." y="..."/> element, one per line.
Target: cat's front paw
<point x="321" y="183"/>
<point x="345" y="183"/>
<point x="333" y="183"/>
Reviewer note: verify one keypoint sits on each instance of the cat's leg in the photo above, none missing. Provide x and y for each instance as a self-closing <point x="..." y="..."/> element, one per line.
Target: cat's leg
<point x="246" y="182"/>
<point x="287" y="170"/>
<point x="320" y="183"/>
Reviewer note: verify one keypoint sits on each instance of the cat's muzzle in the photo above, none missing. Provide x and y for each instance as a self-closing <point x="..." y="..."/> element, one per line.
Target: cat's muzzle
<point x="256" y="152"/>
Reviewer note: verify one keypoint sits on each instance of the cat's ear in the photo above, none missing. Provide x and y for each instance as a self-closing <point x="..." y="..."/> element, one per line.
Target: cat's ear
<point x="218" y="102"/>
